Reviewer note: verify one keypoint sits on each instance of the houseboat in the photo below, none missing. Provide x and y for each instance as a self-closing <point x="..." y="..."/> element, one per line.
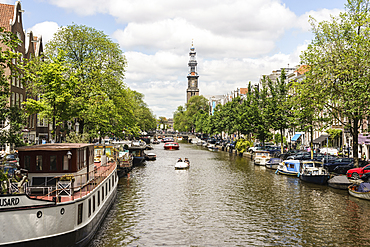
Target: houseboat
<point x="65" y="200"/>
<point x="137" y="151"/>
<point x="124" y="163"/>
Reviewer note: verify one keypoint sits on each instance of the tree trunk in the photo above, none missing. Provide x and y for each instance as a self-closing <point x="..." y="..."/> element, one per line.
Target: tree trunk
<point x="311" y="142"/>
<point x="282" y="140"/>
<point x="355" y="141"/>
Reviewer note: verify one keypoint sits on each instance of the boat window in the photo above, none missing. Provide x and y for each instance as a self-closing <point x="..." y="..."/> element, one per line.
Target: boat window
<point x="85" y="155"/>
<point x="98" y="198"/>
<point x="89" y="209"/>
<point x="27" y="162"/>
<point x="93" y="203"/>
<point x="106" y="189"/>
<point x="65" y="163"/>
<point x="110" y="180"/>
<point x="79" y="214"/>
<point x="38" y="162"/>
<point x="291" y="165"/>
<point x="78" y="160"/>
<point x="53" y="163"/>
<point x="102" y="193"/>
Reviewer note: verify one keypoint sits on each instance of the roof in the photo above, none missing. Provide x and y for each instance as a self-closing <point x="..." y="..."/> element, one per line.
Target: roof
<point x="303" y="69"/>
<point x="243" y="90"/>
<point x="6" y="14"/>
<point x="55" y="146"/>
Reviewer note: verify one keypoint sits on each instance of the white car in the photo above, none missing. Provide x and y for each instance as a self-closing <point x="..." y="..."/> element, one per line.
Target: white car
<point x="330" y="151"/>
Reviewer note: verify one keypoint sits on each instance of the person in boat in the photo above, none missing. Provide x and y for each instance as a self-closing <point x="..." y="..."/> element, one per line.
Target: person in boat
<point x="187" y="161"/>
<point x="179" y="160"/>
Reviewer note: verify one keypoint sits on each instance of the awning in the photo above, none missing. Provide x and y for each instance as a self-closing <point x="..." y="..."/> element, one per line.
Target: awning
<point x="295" y="137"/>
<point x="320" y="139"/>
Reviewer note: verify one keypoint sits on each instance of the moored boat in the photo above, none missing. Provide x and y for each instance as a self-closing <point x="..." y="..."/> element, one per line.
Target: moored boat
<point x="124" y="163"/>
<point x="138" y="154"/>
<point x="339" y="182"/>
<point x="171" y="146"/>
<point x="313" y="172"/>
<point x="288" y="167"/>
<point x="65" y="200"/>
<point x="151" y="156"/>
<point x="261" y="157"/>
<point x="361" y="190"/>
<point x="273" y="163"/>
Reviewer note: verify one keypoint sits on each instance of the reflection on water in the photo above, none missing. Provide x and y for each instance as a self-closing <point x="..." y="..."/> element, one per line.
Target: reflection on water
<point x="223" y="200"/>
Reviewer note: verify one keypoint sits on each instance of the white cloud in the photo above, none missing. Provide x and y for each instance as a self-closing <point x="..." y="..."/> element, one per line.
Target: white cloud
<point x="45" y="29"/>
<point x="234" y="40"/>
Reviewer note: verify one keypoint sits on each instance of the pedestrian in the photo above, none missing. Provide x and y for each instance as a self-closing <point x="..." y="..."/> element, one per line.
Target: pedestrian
<point x="363" y="156"/>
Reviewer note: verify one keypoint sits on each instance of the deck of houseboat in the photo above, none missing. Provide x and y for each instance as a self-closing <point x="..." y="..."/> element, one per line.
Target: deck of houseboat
<point x="69" y="194"/>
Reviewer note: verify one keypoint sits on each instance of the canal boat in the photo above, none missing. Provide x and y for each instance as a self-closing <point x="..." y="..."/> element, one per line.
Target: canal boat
<point x="151" y="156"/>
<point x="171" y="146"/>
<point x="261" y="157"/>
<point x="313" y="172"/>
<point x="361" y="190"/>
<point x="124" y="163"/>
<point x="273" y="163"/>
<point x="168" y="139"/>
<point x="289" y="167"/>
<point x="137" y="151"/>
<point x="182" y="165"/>
<point x="65" y="200"/>
<point x="339" y="182"/>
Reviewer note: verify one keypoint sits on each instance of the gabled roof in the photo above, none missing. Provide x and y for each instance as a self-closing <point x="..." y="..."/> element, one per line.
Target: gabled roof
<point x="6" y="14"/>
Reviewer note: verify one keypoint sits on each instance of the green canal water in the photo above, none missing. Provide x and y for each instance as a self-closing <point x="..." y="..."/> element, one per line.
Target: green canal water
<point x="224" y="200"/>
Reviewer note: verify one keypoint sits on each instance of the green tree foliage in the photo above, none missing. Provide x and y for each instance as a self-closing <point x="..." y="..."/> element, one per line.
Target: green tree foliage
<point x="11" y="117"/>
<point x="339" y="78"/>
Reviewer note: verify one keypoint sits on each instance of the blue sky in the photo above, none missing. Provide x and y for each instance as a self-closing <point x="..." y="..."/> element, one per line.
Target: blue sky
<point x="236" y="40"/>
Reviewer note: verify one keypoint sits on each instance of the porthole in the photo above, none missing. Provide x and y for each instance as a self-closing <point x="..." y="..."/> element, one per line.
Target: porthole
<point x="39" y="214"/>
<point x="62" y="211"/>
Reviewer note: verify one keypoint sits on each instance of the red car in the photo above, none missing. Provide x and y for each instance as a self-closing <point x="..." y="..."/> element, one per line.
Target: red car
<point x="357" y="173"/>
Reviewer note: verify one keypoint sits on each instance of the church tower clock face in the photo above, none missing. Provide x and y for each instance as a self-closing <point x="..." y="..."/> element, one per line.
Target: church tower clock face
<point x="192" y="83"/>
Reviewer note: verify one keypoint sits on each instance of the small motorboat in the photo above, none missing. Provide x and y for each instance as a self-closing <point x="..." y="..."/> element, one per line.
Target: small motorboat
<point x="261" y="157"/>
<point x="273" y="163"/>
<point x="151" y="156"/>
<point x="288" y="167"/>
<point x="361" y="190"/>
<point x="313" y="172"/>
<point x="171" y="146"/>
<point x="339" y="182"/>
<point x="182" y="164"/>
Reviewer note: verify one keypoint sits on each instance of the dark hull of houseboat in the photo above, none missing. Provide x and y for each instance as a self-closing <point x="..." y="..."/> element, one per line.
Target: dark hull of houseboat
<point x="317" y="179"/>
<point x="78" y="238"/>
<point x="139" y="161"/>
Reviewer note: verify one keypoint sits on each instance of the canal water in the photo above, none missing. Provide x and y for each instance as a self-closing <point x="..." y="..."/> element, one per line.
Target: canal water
<point x="225" y="200"/>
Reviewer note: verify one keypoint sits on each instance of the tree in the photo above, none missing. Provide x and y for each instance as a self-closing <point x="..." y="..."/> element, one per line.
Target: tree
<point x="99" y="66"/>
<point x="338" y="61"/>
<point x="12" y="118"/>
<point x="54" y="88"/>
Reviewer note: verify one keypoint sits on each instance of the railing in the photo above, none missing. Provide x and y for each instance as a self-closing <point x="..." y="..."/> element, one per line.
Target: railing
<point x="70" y="190"/>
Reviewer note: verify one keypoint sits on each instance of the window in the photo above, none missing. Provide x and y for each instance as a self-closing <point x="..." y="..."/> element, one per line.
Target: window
<point x="98" y="198"/>
<point x="89" y="209"/>
<point x="53" y="163"/>
<point x="38" y="162"/>
<point x="102" y="194"/>
<point x="13" y="99"/>
<point x="93" y="202"/>
<point x="27" y="161"/>
<point x="17" y="82"/>
<point x="110" y="180"/>
<point x="65" y="163"/>
<point x="17" y="99"/>
<point x="85" y="155"/>
<point x="13" y="80"/>
<point x="21" y="84"/>
<point x="21" y="98"/>
<point x="106" y="189"/>
<point x="78" y="159"/>
<point x="79" y="214"/>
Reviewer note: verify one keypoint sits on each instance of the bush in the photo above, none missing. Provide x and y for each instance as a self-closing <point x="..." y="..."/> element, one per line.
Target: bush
<point x="242" y="145"/>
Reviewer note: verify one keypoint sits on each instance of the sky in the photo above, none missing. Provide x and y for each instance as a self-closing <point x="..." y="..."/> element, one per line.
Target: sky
<point x="236" y="41"/>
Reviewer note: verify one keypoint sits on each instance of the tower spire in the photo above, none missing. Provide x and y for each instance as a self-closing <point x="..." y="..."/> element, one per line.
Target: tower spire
<point x="193" y="74"/>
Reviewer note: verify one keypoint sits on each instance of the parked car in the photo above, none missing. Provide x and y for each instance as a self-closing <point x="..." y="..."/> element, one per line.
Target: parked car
<point x="358" y="172"/>
<point x="342" y="169"/>
<point x="332" y="164"/>
<point x="331" y="151"/>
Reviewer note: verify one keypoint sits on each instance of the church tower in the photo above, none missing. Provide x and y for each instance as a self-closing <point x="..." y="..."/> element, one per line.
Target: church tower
<point x="192" y="76"/>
